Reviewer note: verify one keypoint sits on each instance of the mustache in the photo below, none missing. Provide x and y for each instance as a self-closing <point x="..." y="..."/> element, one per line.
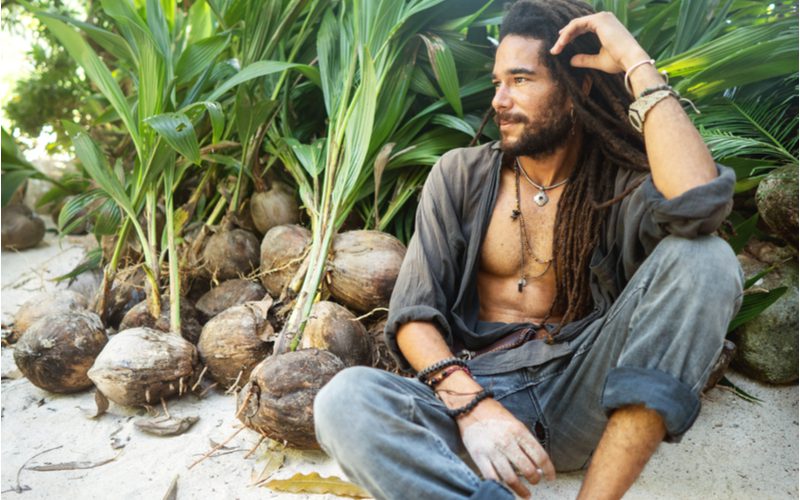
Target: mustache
<point x="510" y="118"/>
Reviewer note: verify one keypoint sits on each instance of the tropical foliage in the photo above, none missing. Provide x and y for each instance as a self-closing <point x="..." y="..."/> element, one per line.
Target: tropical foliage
<point x="351" y="102"/>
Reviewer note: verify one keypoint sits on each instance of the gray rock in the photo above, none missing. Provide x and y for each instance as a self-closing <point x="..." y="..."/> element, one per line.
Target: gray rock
<point x="768" y="344"/>
<point x="776" y="198"/>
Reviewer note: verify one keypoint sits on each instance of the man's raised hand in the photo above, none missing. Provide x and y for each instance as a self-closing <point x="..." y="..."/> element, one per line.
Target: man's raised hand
<point x="619" y="49"/>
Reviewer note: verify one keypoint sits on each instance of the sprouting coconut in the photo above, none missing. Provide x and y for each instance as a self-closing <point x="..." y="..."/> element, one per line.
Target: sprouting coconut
<point x="364" y="269"/>
<point x="46" y="304"/>
<point x="139" y="315"/>
<point x="279" y="398"/>
<point x="274" y="207"/>
<point x="236" y="340"/>
<point x="230" y="253"/>
<point x="141" y="366"/>
<point x="127" y="290"/>
<point x="57" y="350"/>
<point x="21" y="228"/>
<point x="228" y="294"/>
<point x="282" y="251"/>
<point x="335" y="329"/>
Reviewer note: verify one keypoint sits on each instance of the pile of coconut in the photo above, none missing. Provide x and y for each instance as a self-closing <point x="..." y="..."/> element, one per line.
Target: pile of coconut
<point x="238" y="294"/>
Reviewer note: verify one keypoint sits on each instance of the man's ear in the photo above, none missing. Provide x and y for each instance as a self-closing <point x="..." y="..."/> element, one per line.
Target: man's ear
<point x="586" y="86"/>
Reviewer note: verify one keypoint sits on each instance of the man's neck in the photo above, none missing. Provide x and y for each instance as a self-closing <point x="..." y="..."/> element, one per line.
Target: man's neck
<point x="548" y="170"/>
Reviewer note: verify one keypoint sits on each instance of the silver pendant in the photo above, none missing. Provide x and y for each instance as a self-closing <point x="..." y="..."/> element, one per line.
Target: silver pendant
<point x="541" y="198"/>
<point x="521" y="283"/>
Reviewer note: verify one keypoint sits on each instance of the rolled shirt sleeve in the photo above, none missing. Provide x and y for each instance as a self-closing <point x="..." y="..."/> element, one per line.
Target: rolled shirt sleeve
<point x="429" y="276"/>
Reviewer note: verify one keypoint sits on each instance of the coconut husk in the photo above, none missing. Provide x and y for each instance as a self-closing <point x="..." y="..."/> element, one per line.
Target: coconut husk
<point x="230" y="253"/>
<point x="127" y="290"/>
<point x="46" y="304"/>
<point x="278" y="401"/>
<point x="333" y="328"/>
<point x="228" y="294"/>
<point x="139" y="315"/>
<point x="364" y="269"/>
<point x="274" y="207"/>
<point x="131" y="252"/>
<point x="56" y="352"/>
<point x="21" y="229"/>
<point x="140" y="366"/>
<point x="282" y="251"/>
<point x="235" y="341"/>
<point x="381" y="356"/>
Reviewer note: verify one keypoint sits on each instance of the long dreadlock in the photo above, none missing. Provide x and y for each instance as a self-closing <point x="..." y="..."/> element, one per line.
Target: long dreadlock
<point x="609" y="144"/>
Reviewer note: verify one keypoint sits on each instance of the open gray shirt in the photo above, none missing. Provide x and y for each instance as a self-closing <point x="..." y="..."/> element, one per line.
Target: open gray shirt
<point x="437" y="281"/>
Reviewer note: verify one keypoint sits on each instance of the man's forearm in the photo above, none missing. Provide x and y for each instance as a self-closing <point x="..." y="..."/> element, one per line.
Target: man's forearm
<point x="679" y="159"/>
<point x="423" y="345"/>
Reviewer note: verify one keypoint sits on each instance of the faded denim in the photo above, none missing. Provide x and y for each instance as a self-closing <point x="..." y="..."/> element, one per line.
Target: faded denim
<point x="655" y="346"/>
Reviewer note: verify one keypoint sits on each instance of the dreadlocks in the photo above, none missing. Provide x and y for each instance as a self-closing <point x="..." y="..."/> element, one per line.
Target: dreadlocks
<point x="609" y="144"/>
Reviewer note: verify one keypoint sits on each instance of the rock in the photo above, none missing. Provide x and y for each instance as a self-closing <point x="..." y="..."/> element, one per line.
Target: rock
<point x="776" y="198"/>
<point x="768" y="345"/>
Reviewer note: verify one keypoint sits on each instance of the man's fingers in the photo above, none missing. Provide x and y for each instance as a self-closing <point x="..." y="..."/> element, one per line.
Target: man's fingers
<point x="524" y="464"/>
<point x="509" y="476"/>
<point x="533" y="449"/>
<point x="586" y="61"/>
<point x="574" y="29"/>
<point x="485" y="466"/>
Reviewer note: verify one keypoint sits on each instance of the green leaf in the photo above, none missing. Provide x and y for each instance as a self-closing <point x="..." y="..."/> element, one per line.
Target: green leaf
<point x="754" y="304"/>
<point x="177" y="130"/>
<point x="199" y="56"/>
<point x="255" y="70"/>
<point x="200" y="22"/>
<point x="97" y="167"/>
<point x="90" y="262"/>
<point x="95" y="69"/>
<point x="309" y="155"/>
<point x="453" y="122"/>
<point x="444" y="67"/>
<point x="314" y="483"/>
<point x="744" y="231"/>
<point x="725" y="382"/>
<point x="11" y="181"/>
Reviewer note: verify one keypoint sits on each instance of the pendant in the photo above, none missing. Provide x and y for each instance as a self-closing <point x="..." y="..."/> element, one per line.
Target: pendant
<point x="521" y="283"/>
<point x="541" y="198"/>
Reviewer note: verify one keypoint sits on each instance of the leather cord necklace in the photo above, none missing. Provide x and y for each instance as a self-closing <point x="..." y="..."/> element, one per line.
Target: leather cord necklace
<point x="541" y="197"/>
<point x="524" y="243"/>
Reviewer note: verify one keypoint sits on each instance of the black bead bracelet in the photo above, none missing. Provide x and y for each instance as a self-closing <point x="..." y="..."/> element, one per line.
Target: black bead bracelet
<point x="423" y="375"/>
<point x="463" y="410"/>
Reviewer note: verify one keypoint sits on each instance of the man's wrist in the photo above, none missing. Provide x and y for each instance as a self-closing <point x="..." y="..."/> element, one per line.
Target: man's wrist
<point x="645" y="76"/>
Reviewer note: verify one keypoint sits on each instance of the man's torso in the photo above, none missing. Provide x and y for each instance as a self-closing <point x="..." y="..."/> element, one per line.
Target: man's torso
<point x="501" y="256"/>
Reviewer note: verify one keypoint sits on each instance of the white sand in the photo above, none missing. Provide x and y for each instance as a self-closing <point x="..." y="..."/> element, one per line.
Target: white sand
<point x="736" y="450"/>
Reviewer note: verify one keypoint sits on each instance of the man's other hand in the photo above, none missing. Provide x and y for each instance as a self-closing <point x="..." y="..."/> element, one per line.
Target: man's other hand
<point x="503" y="448"/>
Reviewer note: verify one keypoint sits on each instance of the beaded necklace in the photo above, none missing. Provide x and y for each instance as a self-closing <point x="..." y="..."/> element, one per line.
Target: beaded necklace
<point x="524" y="243"/>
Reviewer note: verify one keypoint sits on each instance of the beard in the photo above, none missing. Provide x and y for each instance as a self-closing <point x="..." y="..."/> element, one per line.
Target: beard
<point x="542" y="135"/>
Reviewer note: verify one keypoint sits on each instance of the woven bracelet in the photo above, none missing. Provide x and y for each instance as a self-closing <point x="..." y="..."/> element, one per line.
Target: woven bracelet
<point x="458" y="412"/>
<point x="423" y="375"/>
<point x="439" y="378"/>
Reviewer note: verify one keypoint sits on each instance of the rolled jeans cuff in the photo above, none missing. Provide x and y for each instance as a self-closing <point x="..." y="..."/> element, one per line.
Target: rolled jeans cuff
<point x="657" y="390"/>
<point x="491" y="490"/>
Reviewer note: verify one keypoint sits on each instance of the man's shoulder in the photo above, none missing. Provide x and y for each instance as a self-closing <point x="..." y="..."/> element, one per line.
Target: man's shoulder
<point x="470" y="165"/>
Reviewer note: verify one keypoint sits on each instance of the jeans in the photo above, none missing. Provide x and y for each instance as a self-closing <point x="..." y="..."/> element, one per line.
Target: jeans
<point x="655" y="346"/>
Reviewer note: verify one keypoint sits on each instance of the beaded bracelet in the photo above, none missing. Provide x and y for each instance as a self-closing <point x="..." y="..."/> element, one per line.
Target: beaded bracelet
<point x="458" y="412"/>
<point x="438" y="379"/>
<point x="423" y="375"/>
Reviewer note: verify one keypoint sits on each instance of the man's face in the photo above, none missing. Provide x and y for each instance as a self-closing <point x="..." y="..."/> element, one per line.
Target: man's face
<point x="532" y="111"/>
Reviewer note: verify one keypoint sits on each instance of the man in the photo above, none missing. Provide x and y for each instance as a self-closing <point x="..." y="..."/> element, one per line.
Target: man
<point x="574" y="275"/>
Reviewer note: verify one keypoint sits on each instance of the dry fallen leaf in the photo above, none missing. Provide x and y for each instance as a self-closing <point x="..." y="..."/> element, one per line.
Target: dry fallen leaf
<point x="274" y="462"/>
<point x="314" y="483"/>
<point x="165" y="426"/>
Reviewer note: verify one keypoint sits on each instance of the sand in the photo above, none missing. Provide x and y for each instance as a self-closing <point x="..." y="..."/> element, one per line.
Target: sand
<point x="736" y="450"/>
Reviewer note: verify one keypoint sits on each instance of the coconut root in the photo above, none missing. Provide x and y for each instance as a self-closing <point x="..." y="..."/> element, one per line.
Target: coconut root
<point x="217" y="447"/>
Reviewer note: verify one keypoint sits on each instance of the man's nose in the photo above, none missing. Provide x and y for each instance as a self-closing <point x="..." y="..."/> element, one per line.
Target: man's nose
<point x="501" y="100"/>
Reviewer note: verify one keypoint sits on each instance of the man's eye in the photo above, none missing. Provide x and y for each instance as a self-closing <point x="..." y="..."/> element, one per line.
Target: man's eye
<point x="520" y="79"/>
<point x="496" y="84"/>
